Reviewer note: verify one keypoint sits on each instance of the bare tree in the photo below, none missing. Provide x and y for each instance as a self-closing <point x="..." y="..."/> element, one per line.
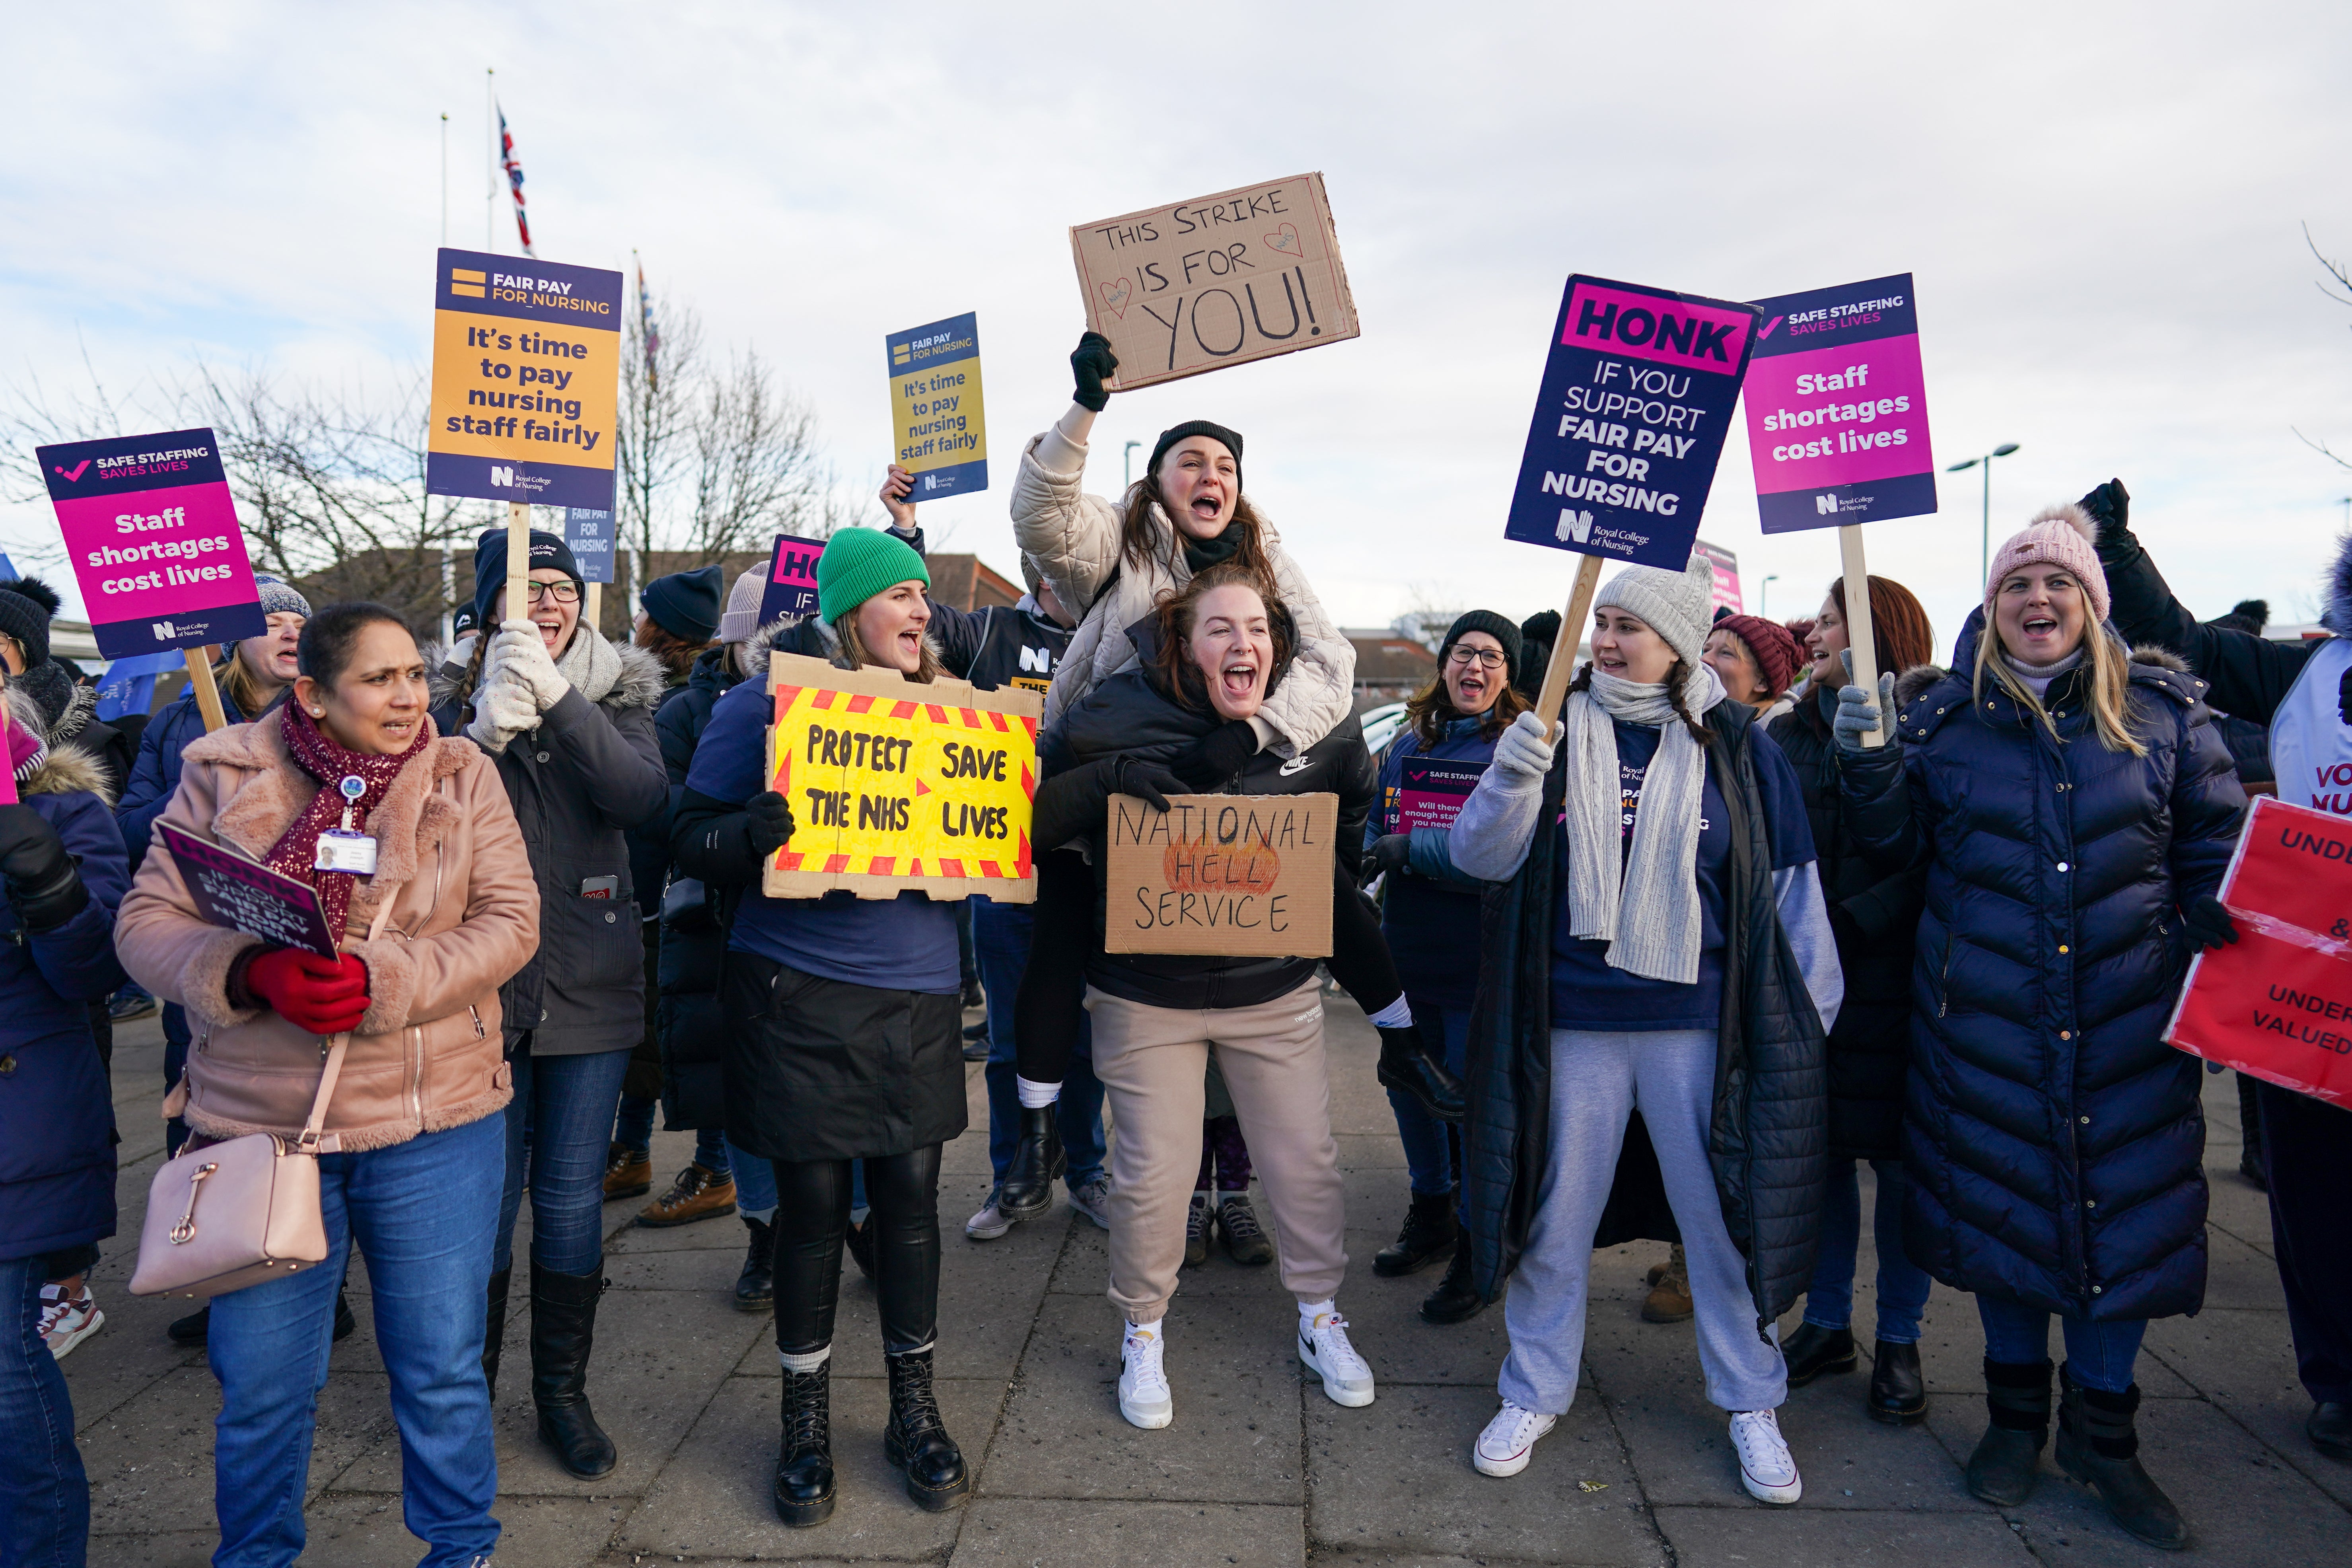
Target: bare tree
<point x="652" y="445"/>
<point x="2340" y="277"/>
<point x="757" y="471"/>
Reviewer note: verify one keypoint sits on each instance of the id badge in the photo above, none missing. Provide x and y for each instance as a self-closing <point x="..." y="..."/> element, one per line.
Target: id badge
<point x="342" y="851"/>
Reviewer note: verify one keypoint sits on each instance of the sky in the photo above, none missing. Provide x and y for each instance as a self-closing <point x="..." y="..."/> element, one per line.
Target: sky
<point x="2103" y="207"/>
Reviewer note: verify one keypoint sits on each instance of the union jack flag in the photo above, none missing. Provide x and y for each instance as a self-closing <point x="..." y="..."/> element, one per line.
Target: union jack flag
<point x="514" y="182"/>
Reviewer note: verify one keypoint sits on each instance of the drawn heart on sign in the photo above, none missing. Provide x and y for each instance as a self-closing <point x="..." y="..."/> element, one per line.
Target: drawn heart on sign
<point x="1286" y="239"/>
<point x="1117" y="297"/>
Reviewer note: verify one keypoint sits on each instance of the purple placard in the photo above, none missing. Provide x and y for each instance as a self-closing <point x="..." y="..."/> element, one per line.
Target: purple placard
<point x="791" y="578"/>
<point x="239" y="894"/>
<point x="1837" y="409"/>
<point x="1432" y="792"/>
<point x="151" y="531"/>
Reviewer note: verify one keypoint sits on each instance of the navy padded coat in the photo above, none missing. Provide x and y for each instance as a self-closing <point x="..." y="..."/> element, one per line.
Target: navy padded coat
<point x="2054" y="1142"/>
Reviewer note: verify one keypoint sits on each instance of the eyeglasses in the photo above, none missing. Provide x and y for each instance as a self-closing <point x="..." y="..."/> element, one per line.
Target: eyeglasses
<point x="1487" y="658"/>
<point x="564" y="593"/>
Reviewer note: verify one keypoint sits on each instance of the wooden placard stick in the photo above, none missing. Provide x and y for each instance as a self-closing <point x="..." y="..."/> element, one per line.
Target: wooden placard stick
<point x="517" y="563"/>
<point x="592" y="610"/>
<point x="200" y="677"/>
<point x="1859" y="641"/>
<point x="1563" y="667"/>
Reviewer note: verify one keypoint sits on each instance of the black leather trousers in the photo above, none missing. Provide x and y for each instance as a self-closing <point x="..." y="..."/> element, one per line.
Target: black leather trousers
<point x="813" y="1218"/>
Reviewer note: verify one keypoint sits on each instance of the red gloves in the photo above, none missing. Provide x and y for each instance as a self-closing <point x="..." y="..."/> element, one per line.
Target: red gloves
<point x="324" y="996"/>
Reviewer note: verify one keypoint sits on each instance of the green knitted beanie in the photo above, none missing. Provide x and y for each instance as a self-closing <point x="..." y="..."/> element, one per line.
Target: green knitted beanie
<point x="859" y="563"/>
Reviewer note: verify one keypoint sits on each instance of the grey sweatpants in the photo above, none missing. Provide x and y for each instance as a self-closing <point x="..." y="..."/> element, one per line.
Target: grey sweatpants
<point x="1598" y="1080"/>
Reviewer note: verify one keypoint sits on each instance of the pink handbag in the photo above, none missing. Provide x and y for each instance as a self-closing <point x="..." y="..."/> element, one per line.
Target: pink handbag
<point x="237" y="1212"/>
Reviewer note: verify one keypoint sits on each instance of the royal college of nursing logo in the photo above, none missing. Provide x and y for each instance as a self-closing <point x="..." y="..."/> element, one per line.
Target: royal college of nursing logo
<point x="1576" y="525"/>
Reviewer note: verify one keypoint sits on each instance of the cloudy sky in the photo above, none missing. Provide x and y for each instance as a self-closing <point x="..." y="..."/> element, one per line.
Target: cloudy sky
<point x="2103" y="206"/>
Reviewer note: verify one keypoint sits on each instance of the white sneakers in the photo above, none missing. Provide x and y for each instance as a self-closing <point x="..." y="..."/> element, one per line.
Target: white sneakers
<point x="1767" y="1468"/>
<point x="1143" y="1395"/>
<point x="1323" y="1346"/>
<point x="990" y="1222"/>
<point x="1504" y="1446"/>
<point x="66" y="1320"/>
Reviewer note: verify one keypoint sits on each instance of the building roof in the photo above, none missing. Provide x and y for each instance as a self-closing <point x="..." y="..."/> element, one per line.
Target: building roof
<point x="1385" y="659"/>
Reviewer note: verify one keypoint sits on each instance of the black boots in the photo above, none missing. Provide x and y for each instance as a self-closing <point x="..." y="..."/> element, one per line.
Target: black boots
<point x="1037" y="1165"/>
<point x="804" y="1489"/>
<point x="1408" y="1066"/>
<point x="1815" y="1351"/>
<point x="1453" y="1302"/>
<point x="2098" y="1446"/>
<point x="917" y="1442"/>
<point x="2017" y="1397"/>
<point x="1429" y="1230"/>
<point x="494" y="1331"/>
<point x="2329" y="1428"/>
<point x="755" y="1287"/>
<point x="563" y="1333"/>
<point x="1898" y="1393"/>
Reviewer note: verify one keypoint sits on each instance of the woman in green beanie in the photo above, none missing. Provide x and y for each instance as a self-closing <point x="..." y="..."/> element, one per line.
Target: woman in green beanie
<point x="842" y="1039"/>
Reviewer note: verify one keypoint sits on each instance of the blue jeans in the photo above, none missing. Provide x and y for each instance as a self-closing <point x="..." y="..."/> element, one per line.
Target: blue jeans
<point x="2098" y="1354"/>
<point x="1432" y="1150"/>
<point x="1903" y="1285"/>
<point x="1001" y="937"/>
<point x="421" y="1211"/>
<point x="175" y="1062"/>
<point x="634" y="1128"/>
<point x="44" y="1492"/>
<point x="568" y="1104"/>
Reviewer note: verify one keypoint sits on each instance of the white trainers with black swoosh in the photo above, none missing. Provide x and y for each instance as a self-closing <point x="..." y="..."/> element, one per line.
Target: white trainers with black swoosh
<point x="1323" y="1346"/>
<point x="1143" y="1393"/>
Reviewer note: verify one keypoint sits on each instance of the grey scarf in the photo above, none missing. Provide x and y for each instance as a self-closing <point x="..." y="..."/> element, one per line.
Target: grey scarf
<point x="591" y="665"/>
<point x="1648" y="909"/>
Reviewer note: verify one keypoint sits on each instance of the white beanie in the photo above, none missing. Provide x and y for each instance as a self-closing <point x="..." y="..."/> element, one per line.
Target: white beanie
<point x="741" y="619"/>
<point x="1675" y="605"/>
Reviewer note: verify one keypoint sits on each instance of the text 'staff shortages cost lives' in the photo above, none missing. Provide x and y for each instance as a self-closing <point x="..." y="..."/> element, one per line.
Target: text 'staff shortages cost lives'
<point x="940" y="430"/>
<point x="1637" y="397"/>
<point x="152" y="533"/>
<point x="526" y="377"/>
<point x="1837" y="409"/>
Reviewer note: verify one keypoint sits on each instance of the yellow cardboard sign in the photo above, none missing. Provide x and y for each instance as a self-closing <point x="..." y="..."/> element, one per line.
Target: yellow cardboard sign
<point x="896" y="785"/>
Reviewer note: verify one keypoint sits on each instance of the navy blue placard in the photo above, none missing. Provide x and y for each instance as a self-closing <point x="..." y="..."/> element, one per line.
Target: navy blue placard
<point x="589" y="532"/>
<point x="791" y="578"/>
<point x="77" y="469"/>
<point x="483" y="284"/>
<point x="540" y="484"/>
<point x="1637" y="396"/>
<point x="1833" y="318"/>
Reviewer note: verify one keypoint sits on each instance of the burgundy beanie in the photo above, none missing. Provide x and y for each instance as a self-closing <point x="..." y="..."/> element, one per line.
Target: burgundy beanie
<point x="1778" y="657"/>
<point x="2058" y="536"/>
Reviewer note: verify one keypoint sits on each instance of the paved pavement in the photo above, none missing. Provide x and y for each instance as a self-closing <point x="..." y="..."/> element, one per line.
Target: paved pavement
<point x="1259" y="1468"/>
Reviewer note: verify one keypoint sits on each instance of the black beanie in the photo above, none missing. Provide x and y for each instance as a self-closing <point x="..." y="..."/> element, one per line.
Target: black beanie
<point x="685" y="603"/>
<point x="490" y="568"/>
<point x="1175" y="433"/>
<point x="1497" y="627"/>
<point x="26" y="606"/>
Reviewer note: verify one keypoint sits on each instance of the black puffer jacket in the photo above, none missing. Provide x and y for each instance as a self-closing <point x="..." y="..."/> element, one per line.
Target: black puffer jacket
<point x="2054" y="1142"/>
<point x="1130" y="715"/>
<point x="1873" y="909"/>
<point x="1768" y="1136"/>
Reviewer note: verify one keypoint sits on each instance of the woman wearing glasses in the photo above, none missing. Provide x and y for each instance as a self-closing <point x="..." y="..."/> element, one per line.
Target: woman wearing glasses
<point x="1430" y="916"/>
<point x="569" y="717"/>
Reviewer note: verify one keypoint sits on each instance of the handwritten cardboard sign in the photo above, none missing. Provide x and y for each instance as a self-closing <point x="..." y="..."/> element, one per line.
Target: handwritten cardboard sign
<point x="237" y="894"/>
<point x="791" y="578"/>
<point x="526" y="380"/>
<point x="151" y="531"/>
<point x="1241" y="875"/>
<point x="2277" y="1002"/>
<point x="1215" y="281"/>
<point x="1837" y="407"/>
<point x="898" y="786"/>
<point x="941" y="426"/>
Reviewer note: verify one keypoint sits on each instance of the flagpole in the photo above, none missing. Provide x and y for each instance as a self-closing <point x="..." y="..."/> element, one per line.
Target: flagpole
<point x="445" y="179"/>
<point x="491" y="182"/>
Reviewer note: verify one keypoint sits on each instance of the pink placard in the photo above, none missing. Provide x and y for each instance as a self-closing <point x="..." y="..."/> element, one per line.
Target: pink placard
<point x="1646" y="326"/>
<point x="1839" y="416"/>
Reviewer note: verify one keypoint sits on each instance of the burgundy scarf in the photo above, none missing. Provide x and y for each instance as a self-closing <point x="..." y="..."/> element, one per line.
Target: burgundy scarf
<point x="328" y="761"/>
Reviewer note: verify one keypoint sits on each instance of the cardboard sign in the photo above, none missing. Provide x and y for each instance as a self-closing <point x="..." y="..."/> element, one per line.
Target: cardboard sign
<point x="152" y="534"/>
<point x="791" y="578"/>
<point x="1727" y="575"/>
<point x="1837" y="409"/>
<point x="1431" y="793"/>
<point x="897" y="785"/>
<point x="526" y="381"/>
<point x="1239" y="875"/>
<point x="589" y="533"/>
<point x="1637" y="397"/>
<point x="1218" y="280"/>
<point x="2277" y="1002"/>
<point x="941" y="428"/>
<point x="239" y="894"/>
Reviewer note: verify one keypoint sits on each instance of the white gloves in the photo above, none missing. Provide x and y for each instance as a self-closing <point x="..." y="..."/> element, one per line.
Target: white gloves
<point x="502" y="709"/>
<point x="518" y="655"/>
<point x="1522" y="753"/>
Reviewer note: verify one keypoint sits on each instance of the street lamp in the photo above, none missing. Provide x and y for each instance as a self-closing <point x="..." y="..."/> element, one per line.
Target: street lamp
<point x="1984" y="564"/>
<point x="1764" y="597"/>
<point x="1128" y="456"/>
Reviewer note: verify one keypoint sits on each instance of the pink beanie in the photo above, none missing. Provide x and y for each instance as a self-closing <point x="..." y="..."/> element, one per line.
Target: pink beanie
<point x="2058" y="536"/>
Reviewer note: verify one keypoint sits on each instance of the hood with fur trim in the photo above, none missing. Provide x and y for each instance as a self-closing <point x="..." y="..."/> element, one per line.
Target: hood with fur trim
<point x="2336" y="617"/>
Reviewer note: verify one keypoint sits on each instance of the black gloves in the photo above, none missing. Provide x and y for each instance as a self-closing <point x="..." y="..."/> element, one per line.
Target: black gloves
<point x="1151" y="782"/>
<point x="1538" y="633"/>
<point x="1389" y="852"/>
<point x="44" y="884"/>
<point x="2110" y="508"/>
<point x="1543" y="626"/>
<point x="1089" y="362"/>
<point x="769" y="823"/>
<point x="2209" y="922"/>
<point x="1217" y="755"/>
